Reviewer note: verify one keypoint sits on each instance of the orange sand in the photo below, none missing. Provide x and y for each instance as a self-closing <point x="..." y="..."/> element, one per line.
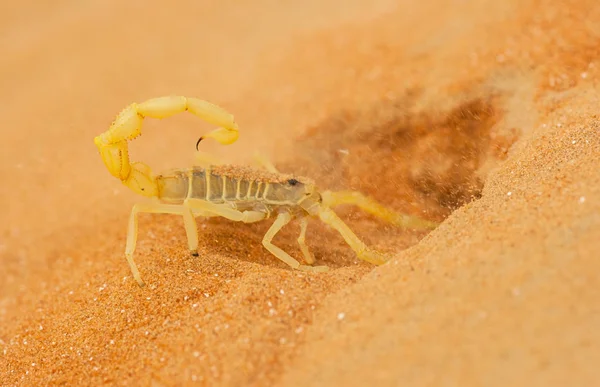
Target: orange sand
<point x="483" y="114"/>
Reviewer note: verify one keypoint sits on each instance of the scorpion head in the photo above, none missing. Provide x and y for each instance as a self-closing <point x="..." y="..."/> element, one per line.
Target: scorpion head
<point x="308" y="196"/>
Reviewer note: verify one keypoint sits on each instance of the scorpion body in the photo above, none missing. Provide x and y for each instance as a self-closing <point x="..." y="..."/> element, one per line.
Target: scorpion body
<point x="240" y="187"/>
<point x="238" y="193"/>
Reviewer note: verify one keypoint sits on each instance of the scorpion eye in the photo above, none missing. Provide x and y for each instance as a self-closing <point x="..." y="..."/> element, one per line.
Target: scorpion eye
<point x="292" y="182"/>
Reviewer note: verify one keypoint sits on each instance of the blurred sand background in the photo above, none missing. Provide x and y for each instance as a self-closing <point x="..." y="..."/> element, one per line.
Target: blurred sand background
<point x="481" y="114"/>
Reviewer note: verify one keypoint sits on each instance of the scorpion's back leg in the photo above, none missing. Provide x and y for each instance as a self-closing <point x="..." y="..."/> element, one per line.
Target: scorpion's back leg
<point x="189" y="222"/>
<point x="332" y="199"/>
<point x="281" y="220"/>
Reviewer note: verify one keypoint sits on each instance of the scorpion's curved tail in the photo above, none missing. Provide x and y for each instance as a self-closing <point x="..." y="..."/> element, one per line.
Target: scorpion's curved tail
<point x="112" y="144"/>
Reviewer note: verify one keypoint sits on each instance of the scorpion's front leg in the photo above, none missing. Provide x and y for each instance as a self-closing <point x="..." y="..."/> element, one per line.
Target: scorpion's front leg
<point x="191" y="229"/>
<point x="362" y="251"/>
<point x="281" y="220"/>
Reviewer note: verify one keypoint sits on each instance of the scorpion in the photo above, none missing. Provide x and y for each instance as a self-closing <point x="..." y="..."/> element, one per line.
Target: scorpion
<point x="235" y="192"/>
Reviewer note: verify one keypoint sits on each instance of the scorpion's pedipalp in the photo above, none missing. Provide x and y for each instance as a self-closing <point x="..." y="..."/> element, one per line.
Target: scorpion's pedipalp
<point x="332" y="199"/>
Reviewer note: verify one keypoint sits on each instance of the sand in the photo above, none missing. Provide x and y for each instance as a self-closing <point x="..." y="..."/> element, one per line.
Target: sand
<point x="482" y="115"/>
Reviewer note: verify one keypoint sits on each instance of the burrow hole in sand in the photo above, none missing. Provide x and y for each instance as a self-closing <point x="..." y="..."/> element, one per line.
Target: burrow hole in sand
<point x="425" y="163"/>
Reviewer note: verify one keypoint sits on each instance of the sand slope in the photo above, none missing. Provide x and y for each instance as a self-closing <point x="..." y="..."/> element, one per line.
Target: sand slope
<point x="483" y="116"/>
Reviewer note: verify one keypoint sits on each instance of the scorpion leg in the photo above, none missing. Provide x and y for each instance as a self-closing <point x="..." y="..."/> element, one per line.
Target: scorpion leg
<point x="205" y="159"/>
<point x="281" y="220"/>
<point x="332" y="199"/>
<point x="310" y="259"/>
<point x="197" y="205"/>
<point x="189" y="222"/>
<point x="255" y="216"/>
<point x="264" y="162"/>
<point x="362" y="251"/>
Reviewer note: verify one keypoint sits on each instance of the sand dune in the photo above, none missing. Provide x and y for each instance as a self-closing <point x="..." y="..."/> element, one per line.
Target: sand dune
<point x="480" y="115"/>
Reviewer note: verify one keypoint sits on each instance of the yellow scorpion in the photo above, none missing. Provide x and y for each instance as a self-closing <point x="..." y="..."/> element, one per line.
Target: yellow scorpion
<point x="237" y="193"/>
